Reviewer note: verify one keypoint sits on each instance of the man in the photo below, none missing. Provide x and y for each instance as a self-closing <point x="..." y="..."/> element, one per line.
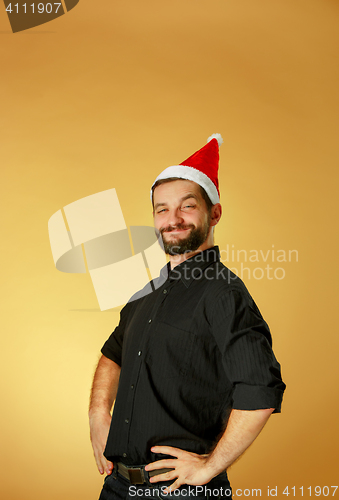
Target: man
<point x="190" y="364"/>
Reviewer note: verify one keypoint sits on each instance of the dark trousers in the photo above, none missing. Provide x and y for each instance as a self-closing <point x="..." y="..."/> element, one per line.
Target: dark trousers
<point x="117" y="487"/>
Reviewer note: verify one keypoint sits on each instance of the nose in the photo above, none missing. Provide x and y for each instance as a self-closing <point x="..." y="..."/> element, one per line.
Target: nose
<point x="174" y="217"/>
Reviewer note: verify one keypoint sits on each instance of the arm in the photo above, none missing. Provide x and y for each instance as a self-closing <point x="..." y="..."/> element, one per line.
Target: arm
<point x="192" y="469"/>
<point x="103" y="394"/>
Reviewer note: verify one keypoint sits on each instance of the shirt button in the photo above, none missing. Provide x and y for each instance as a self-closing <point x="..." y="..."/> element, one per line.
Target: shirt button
<point x="132" y="386"/>
<point x="164" y="291"/>
<point x="139" y="353"/>
<point x="150" y="321"/>
<point x="124" y="455"/>
<point x="126" y="421"/>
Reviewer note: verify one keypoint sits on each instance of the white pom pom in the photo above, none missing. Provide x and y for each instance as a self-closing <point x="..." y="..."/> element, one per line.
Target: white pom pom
<point x="217" y="137"/>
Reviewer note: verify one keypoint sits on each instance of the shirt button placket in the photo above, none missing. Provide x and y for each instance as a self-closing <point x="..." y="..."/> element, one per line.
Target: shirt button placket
<point x="130" y="400"/>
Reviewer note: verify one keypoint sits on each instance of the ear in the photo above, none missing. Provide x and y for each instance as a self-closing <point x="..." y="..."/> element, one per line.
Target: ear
<point x="216" y="212"/>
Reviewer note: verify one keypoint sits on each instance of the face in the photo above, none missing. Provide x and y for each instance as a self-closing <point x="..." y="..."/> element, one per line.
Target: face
<point x="181" y="216"/>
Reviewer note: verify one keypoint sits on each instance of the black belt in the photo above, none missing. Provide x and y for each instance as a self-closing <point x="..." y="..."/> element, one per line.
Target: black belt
<point x="136" y="475"/>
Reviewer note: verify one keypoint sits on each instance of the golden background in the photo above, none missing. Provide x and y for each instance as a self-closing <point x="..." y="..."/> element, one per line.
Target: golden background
<point x="109" y="95"/>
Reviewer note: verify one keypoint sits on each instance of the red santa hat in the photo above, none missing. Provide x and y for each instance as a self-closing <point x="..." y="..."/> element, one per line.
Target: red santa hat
<point x="201" y="167"/>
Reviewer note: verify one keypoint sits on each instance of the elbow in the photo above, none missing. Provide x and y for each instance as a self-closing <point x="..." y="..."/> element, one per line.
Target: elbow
<point x="268" y="411"/>
<point x="265" y="413"/>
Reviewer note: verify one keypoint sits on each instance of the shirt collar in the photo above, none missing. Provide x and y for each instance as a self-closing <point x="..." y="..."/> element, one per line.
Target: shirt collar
<point x="191" y="268"/>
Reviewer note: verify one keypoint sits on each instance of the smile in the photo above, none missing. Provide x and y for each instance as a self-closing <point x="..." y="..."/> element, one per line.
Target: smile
<point x="176" y="231"/>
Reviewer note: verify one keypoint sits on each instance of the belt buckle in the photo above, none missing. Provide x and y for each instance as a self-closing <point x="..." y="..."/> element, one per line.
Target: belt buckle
<point x="136" y="475"/>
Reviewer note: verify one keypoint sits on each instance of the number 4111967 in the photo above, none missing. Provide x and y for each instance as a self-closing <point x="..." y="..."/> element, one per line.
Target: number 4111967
<point x="40" y="8"/>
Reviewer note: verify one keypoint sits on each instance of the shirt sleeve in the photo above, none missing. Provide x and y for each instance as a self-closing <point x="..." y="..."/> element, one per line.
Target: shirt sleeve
<point x="112" y="348"/>
<point x="245" y="343"/>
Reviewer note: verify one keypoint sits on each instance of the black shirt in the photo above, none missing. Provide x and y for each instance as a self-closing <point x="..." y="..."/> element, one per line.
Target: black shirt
<point x="191" y="345"/>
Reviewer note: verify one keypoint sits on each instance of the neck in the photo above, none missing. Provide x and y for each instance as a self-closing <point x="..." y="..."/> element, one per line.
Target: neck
<point x="175" y="260"/>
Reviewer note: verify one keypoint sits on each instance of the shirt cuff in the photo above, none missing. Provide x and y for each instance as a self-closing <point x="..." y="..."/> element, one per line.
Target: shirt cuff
<point x="106" y="351"/>
<point x="256" y="397"/>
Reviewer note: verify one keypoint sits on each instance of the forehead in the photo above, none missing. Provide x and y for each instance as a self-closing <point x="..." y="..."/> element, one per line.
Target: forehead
<point x="176" y="190"/>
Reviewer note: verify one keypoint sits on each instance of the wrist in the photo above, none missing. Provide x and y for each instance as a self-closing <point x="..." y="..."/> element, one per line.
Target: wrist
<point x="214" y="466"/>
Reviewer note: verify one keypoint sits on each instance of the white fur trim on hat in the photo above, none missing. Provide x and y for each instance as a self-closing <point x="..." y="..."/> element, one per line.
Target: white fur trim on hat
<point x="191" y="174"/>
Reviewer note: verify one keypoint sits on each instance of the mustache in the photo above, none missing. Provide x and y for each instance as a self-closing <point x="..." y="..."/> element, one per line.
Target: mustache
<point x="178" y="226"/>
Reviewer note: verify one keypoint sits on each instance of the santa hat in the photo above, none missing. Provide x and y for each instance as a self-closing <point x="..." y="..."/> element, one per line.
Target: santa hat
<point x="201" y="167"/>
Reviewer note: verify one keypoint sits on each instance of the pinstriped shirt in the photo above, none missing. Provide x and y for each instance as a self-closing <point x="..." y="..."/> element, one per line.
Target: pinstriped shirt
<point x="192" y="345"/>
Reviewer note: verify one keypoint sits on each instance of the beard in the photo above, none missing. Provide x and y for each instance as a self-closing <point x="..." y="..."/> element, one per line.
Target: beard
<point x="179" y="246"/>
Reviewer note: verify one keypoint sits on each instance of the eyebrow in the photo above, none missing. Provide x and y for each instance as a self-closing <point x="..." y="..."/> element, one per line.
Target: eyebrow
<point x="186" y="197"/>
